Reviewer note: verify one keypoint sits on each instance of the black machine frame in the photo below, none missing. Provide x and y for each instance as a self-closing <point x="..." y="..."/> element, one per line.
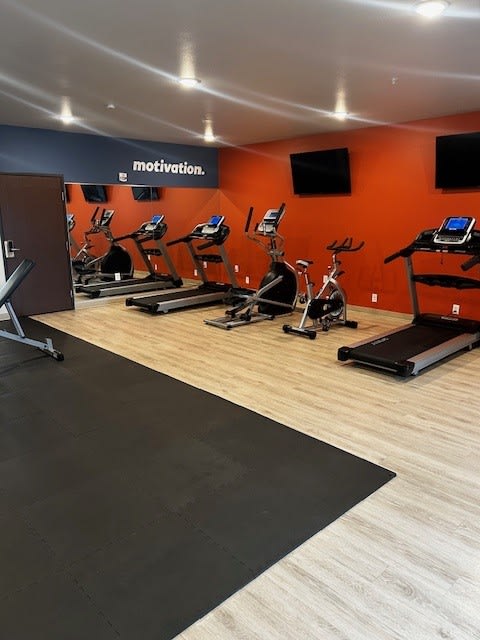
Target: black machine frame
<point x="152" y="230"/>
<point x="6" y="292"/>
<point x="211" y="235"/>
<point x="429" y="338"/>
<point x="278" y="289"/>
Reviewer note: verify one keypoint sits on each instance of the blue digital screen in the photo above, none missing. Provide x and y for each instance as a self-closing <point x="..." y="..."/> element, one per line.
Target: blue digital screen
<point x="215" y="220"/>
<point x="457" y="224"/>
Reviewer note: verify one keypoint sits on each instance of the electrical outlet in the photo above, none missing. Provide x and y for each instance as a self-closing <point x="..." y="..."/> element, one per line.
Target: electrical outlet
<point x="237" y="268"/>
<point x="204" y="265"/>
<point x="325" y="278"/>
<point x="374" y="297"/>
<point x="195" y="273"/>
<point x="247" y="279"/>
<point x="456" y="309"/>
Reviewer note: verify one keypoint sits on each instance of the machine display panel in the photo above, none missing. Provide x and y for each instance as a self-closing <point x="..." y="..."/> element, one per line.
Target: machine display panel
<point x="455" y="230"/>
<point x="215" y="221"/>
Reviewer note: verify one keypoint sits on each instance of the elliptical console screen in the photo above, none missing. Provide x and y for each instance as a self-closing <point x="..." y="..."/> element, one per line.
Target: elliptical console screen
<point x="106" y="217"/>
<point x="156" y="219"/>
<point x="270" y="221"/>
<point x="455" y="230"/>
<point x="273" y="216"/>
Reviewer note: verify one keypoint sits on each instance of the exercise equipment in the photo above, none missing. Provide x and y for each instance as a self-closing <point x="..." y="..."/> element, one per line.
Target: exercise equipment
<point x="430" y="338"/>
<point x="277" y="292"/>
<point x="151" y="231"/>
<point x="115" y="263"/>
<point x="329" y="305"/>
<point x="70" y="227"/>
<point x="6" y="292"/>
<point x="210" y="235"/>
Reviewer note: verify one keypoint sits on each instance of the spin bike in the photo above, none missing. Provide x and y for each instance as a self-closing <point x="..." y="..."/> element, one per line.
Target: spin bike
<point x="278" y="289"/>
<point x="329" y="305"/>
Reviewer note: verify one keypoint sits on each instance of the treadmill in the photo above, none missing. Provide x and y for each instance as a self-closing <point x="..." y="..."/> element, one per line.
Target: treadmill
<point x="211" y="234"/>
<point x="151" y="231"/>
<point x="430" y="337"/>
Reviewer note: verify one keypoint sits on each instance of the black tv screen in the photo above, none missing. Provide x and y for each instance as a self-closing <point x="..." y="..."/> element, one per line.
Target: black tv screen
<point x="321" y="172"/>
<point x="457" y="161"/>
<point x="94" y="192"/>
<point x="145" y="193"/>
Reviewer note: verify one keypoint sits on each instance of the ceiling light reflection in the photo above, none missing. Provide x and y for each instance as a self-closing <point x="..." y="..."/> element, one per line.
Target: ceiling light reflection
<point x="431" y="8"/>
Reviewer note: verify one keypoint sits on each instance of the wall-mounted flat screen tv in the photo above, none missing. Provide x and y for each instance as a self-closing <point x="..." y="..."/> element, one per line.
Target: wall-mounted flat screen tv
<point x="457" y="161"/>
<point x="94" y="192"/>
<point x="145" y="194"/>
<point x="321" y="172"/>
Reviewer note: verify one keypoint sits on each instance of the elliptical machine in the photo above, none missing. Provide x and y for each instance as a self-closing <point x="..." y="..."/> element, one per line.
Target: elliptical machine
<point x="116" y="263"/>
<point x="329" y="305"/>
<point x="278" y="289"/>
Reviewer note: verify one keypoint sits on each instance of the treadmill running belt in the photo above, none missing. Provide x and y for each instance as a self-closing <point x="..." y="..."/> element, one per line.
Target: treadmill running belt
<point x="406" y="343"/>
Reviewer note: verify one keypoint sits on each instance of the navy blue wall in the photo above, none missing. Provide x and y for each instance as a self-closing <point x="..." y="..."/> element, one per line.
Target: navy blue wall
<point x="85" y="158"/>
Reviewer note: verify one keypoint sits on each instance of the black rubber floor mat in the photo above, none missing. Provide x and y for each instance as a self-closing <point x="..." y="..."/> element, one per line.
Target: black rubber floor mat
<point x="131" y="504"/>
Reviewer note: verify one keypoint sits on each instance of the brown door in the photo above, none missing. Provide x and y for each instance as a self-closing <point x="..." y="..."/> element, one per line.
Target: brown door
<point x="33" y="225"/>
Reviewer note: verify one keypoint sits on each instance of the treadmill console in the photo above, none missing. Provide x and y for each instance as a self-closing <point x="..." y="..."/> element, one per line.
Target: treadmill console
<point x="455" y="230"/>
<point x="212" y="226"/>
<point x="271" y="220"/>
<point x="153" y="224"/>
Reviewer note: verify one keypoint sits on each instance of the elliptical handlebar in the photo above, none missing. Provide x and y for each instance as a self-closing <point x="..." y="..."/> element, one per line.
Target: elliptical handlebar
<point x="249" y="219"/>
<point x="93" y="219"/>
<point x="345" y="245"/>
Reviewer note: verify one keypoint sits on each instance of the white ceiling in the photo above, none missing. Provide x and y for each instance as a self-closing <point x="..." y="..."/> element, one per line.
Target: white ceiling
<point x="269" y="69"/>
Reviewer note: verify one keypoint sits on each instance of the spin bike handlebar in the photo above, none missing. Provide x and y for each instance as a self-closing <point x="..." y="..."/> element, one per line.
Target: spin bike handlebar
<point x="346" y="245"/>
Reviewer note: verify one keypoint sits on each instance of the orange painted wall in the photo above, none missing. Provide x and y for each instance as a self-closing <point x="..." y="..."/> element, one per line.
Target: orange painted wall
<point x="393" y="198"/>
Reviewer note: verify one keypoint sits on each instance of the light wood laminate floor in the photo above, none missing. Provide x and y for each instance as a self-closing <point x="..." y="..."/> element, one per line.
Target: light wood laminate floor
<point x="405" y="563"/>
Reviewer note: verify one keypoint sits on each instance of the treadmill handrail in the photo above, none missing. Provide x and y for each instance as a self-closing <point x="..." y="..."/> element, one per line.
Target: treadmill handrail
<point x="471" y="262"/>
<point x="403" y="253"/>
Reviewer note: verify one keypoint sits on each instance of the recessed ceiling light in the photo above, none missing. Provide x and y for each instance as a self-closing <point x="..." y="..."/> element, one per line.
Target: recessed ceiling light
<point x="340" y="115"/>
<point x="110" y="105"/>
<point x="431" y="8"/>
<point x="66" y="118"/>
<point x="189" y="83"/>
<point x="208" y="135"/>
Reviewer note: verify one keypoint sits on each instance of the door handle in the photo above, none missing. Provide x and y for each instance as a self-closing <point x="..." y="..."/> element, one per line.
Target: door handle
<point x="10" y="248"/>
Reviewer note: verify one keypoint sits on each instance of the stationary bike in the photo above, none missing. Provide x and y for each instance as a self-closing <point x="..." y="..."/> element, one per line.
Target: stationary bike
<point x="329" y="305"/>
<point x="278" y="289"/>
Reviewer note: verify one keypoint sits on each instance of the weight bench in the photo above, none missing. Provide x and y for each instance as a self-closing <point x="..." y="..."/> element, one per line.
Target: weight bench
<point x="6" y="292"/>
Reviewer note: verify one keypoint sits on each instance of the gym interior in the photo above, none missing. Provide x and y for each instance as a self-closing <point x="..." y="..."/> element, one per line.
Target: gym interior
<point x="162" y="478"/>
